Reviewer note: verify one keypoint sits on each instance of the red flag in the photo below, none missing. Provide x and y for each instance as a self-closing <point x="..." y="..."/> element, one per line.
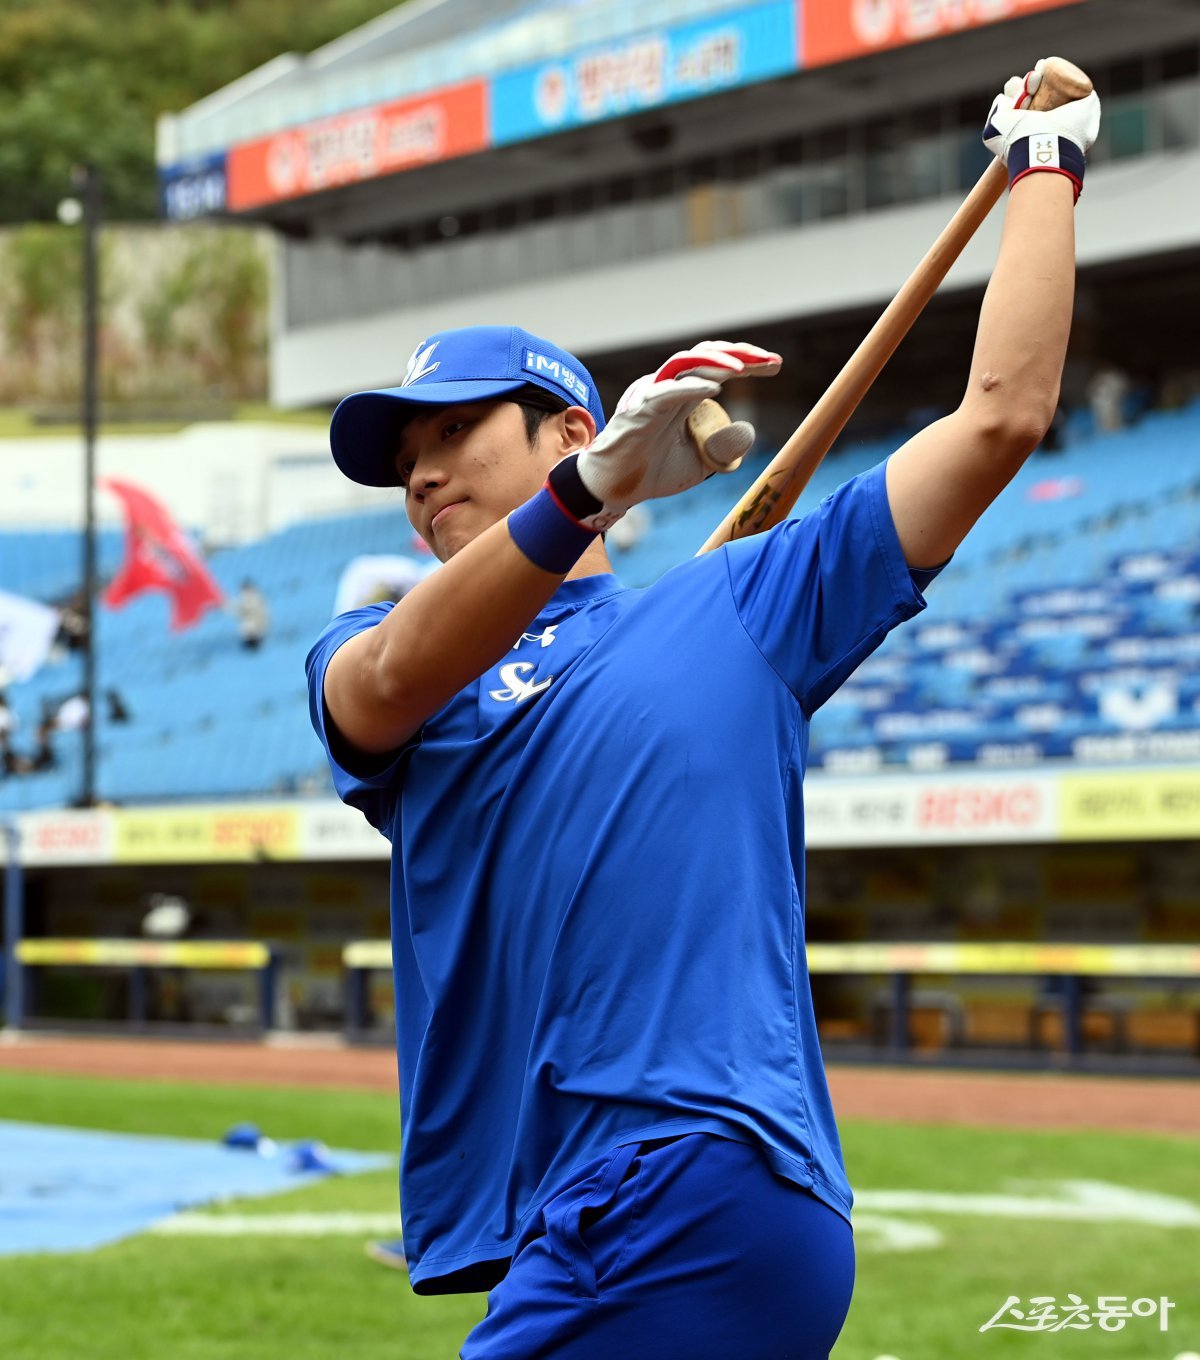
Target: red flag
<point x="158" y="556"/>
<point x="1055" y="489"/>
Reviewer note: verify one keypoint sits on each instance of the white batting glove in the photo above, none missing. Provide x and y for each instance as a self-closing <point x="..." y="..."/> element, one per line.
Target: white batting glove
<point x="646" y="452"/>
<point x="1029" y="140"/>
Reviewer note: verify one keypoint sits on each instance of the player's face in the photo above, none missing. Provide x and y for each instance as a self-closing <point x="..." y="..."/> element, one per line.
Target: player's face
<point x="464" y="468"/>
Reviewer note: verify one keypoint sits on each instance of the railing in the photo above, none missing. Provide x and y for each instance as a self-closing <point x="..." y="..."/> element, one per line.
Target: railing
<point x="1072" y="963"/>
<point x="141" y="955"/>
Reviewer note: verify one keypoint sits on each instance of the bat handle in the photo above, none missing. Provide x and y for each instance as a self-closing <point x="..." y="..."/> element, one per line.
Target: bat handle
<point x="707" y="420"/>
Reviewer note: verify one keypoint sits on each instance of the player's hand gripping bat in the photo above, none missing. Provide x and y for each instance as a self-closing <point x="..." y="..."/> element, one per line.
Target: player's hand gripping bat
<point x="777" y="489"/>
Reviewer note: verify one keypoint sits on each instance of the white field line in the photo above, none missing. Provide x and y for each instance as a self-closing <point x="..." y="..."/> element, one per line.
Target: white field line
<point x="874" y="1216"/>
<point x="279" y="1225"/>
<point x="894" y="1234"/>
<point x="1068" y="1201"/>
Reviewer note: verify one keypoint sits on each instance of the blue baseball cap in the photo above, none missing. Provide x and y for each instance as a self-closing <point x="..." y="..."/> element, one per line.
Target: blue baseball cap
<point x="476" y="363"/>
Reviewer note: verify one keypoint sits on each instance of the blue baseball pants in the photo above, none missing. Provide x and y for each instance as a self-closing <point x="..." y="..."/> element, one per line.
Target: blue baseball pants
<point x="688" y="1248"/>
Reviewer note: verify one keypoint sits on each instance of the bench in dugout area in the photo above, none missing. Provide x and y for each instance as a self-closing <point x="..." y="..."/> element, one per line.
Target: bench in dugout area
<point x="908" y="1017"/>
<point x="139" y="956"/>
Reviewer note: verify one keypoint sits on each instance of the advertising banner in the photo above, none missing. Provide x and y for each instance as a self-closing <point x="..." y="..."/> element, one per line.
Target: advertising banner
<point x="994" y="959"/>
<point x="66" y="837"/>
<point x="1132" y="805"/>
<point x="932" y="810"/>
<point x="332" y="831"/>
<point x="361" y="145"/>
<point x="192" y="188"/>
<point x="1095" y="960"/>
<point x="967" y="808"/>
<point x="833" y="30"/>
<point x="658" y="67"/>
<point x="204" y="835"/>
<point x="221" y="833"/>
<point x="222" y="954"/>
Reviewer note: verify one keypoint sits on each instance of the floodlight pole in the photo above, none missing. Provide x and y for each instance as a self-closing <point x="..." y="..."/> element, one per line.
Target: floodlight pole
<point x="88" y="181"/>
<point x="14" y="925"/>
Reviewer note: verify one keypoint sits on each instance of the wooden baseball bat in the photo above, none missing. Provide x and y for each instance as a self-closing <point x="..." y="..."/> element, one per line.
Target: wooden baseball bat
<point x="777" y="489"/>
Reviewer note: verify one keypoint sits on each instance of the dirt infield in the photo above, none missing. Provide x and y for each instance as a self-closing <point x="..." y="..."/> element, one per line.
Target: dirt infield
<point x="1049" y="1101"/>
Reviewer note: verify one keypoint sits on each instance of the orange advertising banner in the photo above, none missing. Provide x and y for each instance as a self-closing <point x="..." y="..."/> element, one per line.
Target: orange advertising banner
<point x="832" y="30"/>
<point x="364" y="144"/>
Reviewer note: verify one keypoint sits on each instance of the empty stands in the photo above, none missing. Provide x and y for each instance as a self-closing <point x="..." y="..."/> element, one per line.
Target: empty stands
<point x="1068" y="626"/>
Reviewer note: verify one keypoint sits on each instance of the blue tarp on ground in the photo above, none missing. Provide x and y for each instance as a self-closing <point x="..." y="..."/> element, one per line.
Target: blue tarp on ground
<point x="75" y="1189"/>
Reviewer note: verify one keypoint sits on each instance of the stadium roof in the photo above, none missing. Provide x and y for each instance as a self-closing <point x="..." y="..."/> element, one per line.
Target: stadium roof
<point x="422" y="22"/>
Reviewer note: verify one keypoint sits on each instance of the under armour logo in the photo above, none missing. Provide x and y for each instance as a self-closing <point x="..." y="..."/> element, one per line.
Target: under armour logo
<point x="517" y="689"/>
<point x="545" y="639"/>
<point x="419" y="366"/>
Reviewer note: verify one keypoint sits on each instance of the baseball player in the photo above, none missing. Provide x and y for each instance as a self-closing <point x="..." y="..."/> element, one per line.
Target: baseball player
<point x="614" y="1109"/>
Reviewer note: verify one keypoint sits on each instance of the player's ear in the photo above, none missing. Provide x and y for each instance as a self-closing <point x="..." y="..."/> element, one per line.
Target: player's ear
<point x="578" y="430"/>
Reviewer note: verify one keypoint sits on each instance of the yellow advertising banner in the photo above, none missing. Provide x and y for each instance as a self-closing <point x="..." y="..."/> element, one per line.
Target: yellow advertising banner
<point x="206" y="834"/>
<point x="961" y="807"/>
<point x="1001" y="959"/>
<point x="367" y="954"/>
<point x="223" y="954"/>
<point x="1132" y="805"/>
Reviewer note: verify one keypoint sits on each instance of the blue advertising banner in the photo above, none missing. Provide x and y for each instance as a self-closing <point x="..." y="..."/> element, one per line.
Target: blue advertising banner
<point x="193" y="188"/>
<point x="660" y="66"/>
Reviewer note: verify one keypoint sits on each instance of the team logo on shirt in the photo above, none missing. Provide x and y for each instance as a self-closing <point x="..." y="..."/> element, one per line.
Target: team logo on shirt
<point x="516" y="688"/>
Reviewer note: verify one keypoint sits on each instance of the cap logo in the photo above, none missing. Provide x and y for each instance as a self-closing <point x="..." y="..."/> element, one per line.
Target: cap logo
<point x="419" y="366"/>
<point x="558" y="372"/>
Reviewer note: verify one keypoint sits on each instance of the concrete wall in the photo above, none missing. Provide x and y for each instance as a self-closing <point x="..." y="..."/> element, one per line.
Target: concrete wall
<point x="235" y="482"/>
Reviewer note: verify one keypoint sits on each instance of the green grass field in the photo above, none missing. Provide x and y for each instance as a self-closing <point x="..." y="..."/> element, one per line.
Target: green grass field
<point x="250" y="1298"/>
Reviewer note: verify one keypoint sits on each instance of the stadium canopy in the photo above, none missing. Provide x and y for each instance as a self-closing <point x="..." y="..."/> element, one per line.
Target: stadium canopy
<point x="760" y="166"/>
<point x="409" y="50"/>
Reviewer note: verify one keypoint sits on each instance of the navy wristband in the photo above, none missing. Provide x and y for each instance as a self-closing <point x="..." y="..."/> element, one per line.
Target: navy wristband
<point x="567" y="488"/>
<point x="1046" y="151"/>
<point x="548" y="533"/>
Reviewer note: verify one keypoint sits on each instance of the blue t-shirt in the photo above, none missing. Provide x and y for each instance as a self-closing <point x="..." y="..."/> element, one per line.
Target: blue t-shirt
<point x="598" y="878"/>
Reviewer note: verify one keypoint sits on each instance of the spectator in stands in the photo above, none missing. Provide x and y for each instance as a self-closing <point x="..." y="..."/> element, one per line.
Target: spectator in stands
<point x="118" y="710"/>
<point x="12" y="761"/>
<point x="44" y="756"/>
<point x="72" y="623"/>
<point x="253" y="616"/>
<point x="8" y="723"/>
<point x="1106" y="395"/>
<point x="73" y="714"/>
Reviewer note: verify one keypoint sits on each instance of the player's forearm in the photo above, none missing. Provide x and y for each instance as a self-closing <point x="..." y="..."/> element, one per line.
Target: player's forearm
<point x="946" y="476"/>
<point x="385" y="682"/>
<point x="1025" y="320"/>
<point x="456" y="623"/>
